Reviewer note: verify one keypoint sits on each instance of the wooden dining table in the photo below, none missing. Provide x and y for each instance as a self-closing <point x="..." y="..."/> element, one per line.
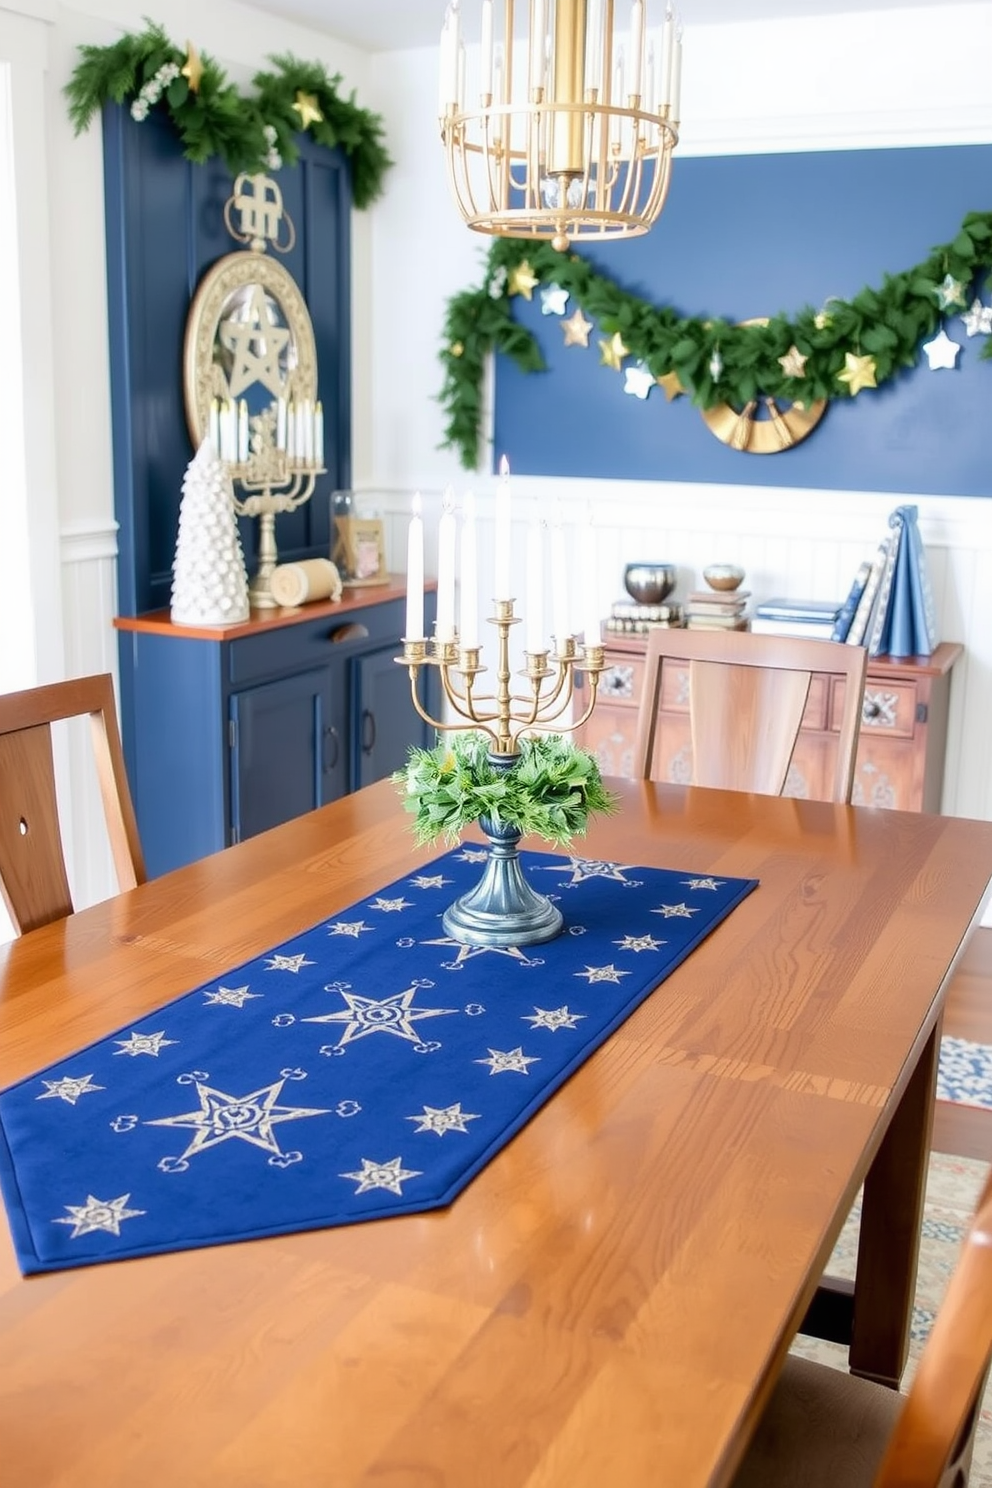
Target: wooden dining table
<point x="609" y="1301"/>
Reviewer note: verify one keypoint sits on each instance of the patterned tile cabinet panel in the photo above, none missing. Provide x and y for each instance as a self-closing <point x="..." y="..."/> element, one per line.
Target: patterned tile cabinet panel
<point x="903" y="727"/>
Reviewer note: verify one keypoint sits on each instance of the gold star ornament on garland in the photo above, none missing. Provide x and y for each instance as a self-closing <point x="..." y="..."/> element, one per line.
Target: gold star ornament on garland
<point x="612" y="352"/>
<point x="308" y="108"/>
<point x="793" y="364"/>
<point x="192" y="69"/>
<point x="522" y="280"/>
<point x="859" y="372"/>
<point x="671" y="386"/>
<point x="576" y="329"/>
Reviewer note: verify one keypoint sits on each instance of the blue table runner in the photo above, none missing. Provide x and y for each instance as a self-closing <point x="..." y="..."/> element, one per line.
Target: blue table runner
<point x="369" y="1066"/>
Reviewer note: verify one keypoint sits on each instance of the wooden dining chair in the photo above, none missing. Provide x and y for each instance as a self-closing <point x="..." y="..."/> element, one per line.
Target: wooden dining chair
<point x="32" y="863"/>
<point x="823" y="1428"/>
<point x="747" y="695"/>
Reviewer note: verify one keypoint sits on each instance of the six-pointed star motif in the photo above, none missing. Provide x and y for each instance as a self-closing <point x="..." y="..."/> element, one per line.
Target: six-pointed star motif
<point x="443" y="1119"/>
<point x="609" y="973"/>
<point x="250" y="1118"/>
<point x="675" y="911"/>
<point x="287" y="963"/>
<point x="472" y="855"/>
<point x="98" y="1214"/>
<point x="365" y="1015"/>
<point x="552" y="1018"/>
<point x="703" y="883"/>
<point x="515" y="1060"/>
<point x="256" y="344"/>
<point x="469" y="952"/>
<point x="69" y="1088"/>
<point x="390" y="1175"/>
<point x="354" y="928"/>
<point x="143" y="1043"/>
<point x="230" y="996"/>
<point x="639" y="943"/>
<point x="583" y="868"/>
<point x="430" y="881"/>
<point x="391" y="905"/>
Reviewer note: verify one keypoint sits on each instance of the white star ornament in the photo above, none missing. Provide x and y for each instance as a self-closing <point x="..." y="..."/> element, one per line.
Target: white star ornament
<point x="941" y="352"/>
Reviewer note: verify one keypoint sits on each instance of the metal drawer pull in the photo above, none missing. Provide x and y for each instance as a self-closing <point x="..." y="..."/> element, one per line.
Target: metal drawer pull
<point x="368" y="731"/>
<point x="331" y="737"/>
<point x="353" y="632"/>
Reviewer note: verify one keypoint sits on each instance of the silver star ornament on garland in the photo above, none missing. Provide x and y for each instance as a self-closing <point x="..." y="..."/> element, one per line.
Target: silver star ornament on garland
<point x="978" y="320"/>
<point x="638" y="381"/>
<point x="941" y="352"/>
<point x="553" y="299"/>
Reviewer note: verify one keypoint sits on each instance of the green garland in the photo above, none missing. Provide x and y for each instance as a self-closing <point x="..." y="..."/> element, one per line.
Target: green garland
<point x="886" y="324"/>
<point x="550" y="793"/>
<point x="249" y="133"/>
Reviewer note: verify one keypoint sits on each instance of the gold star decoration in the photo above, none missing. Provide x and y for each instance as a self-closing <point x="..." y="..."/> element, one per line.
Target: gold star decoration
<point x="793" y="364"/>
<point x="522" y="280"/>
<point x="858" y="373"/>
<point x="576" y="329"/>
<point x="456" y="349"/>
<point x="308" y="108"/>
<point x="612" y="352"/>
<point x="671" y="386"/>
<point x="192" y="69"/>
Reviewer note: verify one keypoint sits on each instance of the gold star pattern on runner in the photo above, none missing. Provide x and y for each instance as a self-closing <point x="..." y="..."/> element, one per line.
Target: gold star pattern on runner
<point x="250" y="1118"/>
<point x="612" y="352"/>
<point x="703" y="883"/>
<point x="98" y="1214"/>
<point x="308" y="108"/>
<point x="143" y="1043"/>
<point x="503" y="1061"/>
<point x="430" y="881"/>
<point x="287" y="963"/>
<point x="609" y="973"/>
<point x="256" y="345"/>
<point x="859" y="372"/>
<point x="675" y="911"/>
<point x="639" y="943"/>
<point x="793" y="364"/>
<point x="671" y="385"/>
<point x="553" y="1018"/>
<point x="69" y="1088"/>
<point x="391" y="906"/>
<point x="522" y="280"/>
<point x="443" y="1119"/>
<point x="230" y="997"/>
<point x="367" y="1015"/>
<point x="354" y="928"/>
<point x="576" y="329"/>
<point x="390" y="1175"/>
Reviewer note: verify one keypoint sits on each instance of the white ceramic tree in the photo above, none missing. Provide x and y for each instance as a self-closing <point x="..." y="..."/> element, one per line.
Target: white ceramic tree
<point x="209" y="582"/>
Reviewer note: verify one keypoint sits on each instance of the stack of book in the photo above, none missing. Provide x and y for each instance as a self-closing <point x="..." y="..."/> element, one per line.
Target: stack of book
<point x="710" y="609"/>
<point x="890" y="606"/>
<point x="627" y="618"/>
<point x="814" y="619"/>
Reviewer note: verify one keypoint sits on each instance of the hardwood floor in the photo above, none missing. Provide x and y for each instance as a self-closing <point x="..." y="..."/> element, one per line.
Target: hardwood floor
<point x="965" y="1131"/>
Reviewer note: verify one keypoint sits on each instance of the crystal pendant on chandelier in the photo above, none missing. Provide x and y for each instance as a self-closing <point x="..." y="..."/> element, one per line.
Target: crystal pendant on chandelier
<point x="562" y="127"/>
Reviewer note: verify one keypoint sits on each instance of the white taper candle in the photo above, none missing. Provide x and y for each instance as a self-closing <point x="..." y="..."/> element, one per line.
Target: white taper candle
<point x="415" y="575"/>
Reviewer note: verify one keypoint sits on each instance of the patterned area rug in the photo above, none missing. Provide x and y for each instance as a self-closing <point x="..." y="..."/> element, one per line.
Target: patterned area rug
<point x="964" y="1074"/>
<point x="953" y="1186"/>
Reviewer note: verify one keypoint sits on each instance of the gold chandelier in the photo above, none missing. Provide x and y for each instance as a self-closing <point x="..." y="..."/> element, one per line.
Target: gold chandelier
<point x="568" y="133"/>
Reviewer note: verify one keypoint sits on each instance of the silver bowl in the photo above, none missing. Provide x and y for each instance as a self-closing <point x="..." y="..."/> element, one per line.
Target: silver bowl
<point x="649" y="583"/>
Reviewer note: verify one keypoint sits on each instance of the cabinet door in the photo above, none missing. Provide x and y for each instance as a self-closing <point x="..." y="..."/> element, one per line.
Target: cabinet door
<point x="287" y="751"/>
<point x="384" y="719"/>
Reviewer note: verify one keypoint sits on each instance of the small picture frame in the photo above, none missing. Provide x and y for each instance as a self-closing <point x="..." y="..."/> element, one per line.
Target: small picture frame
<point x="360" y="551"/>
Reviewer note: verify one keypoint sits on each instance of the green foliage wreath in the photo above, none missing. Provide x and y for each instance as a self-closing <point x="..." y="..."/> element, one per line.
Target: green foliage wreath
<point x="550" y="792"/>
<point x="249" y="132"/>
<point x="886" y="323"/>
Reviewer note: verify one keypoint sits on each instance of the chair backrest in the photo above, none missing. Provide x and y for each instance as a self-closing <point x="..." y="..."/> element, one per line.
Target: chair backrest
<point x="32" y="865"/>
<point x="747" y="696"/>
<point x="933" y="1439"/>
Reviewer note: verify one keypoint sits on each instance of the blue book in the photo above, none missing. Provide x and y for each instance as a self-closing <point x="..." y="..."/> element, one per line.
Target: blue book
<point x="908" y="627"/>
<point x="799" y="609"/>
<point x="848" y="609"/>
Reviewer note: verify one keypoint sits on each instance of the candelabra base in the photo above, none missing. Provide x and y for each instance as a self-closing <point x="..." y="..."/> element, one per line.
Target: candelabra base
<point x="502" y="909"/>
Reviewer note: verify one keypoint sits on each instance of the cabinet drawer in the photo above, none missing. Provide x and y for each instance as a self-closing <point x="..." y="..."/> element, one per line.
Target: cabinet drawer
<point x="312" y="643"/>
<point x="889" y="708"/>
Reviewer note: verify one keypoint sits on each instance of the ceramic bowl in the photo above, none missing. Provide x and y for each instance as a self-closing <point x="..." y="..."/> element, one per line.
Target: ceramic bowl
<point x="723" y="575"/>
<point x="649" y="583"/>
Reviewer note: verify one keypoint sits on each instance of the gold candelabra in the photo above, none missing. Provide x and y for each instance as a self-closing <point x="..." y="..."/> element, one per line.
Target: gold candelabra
<point x="273" y="482"/>
<point x="503" y="909"/>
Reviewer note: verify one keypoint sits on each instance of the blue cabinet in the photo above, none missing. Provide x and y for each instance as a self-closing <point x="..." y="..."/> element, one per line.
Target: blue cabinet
<point x="231" y="731"/>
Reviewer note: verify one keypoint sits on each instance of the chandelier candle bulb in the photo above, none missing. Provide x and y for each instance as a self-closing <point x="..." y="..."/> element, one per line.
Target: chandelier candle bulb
<point x="281" y="423"/>
<point x="318" y="435"/>
<point x="667" y="56"/>
<point x="677" y="79"/>
<point x="415" y="575"/>
<point x="636" y="46"/>
<point x="538" y="32"/>
<point x="468" y="627"/>
<point x="445" y="627"/>
<point x="243" y="432"/>
<point x="448" y="71"/>
<point x="503" y="525"/>
<point x="486" y="51"/>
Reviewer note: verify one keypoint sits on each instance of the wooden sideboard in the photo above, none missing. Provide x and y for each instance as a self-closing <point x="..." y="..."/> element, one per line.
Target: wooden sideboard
<point x="903" y="727"/>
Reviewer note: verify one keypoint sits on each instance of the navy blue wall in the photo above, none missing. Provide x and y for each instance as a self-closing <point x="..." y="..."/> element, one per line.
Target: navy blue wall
<point x="755" y="235"/>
